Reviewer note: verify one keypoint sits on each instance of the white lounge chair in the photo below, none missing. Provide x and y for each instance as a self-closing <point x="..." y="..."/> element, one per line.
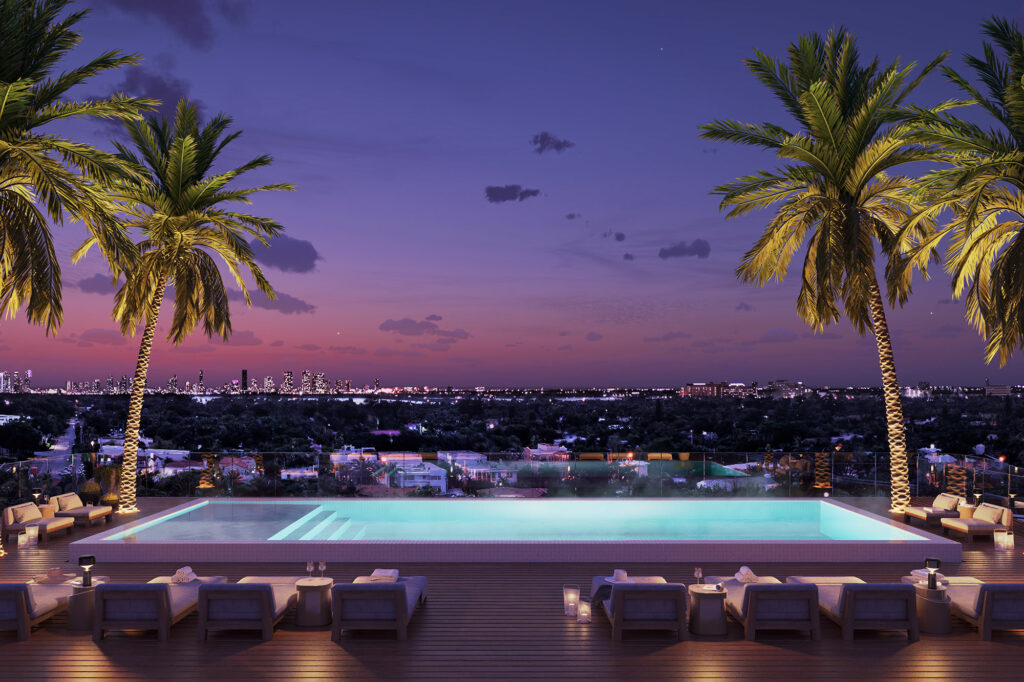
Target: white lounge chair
<point x="768" y="604"/>
<point x="944" y="506"/>
<point x="989" y="606"/>
<point x="856" y="605"/>
<point x="366" y="605"/>
<point x="253" y="603"/>
<point x="23" y="605"/>
<point x="988" y="518"/>
<point x="646" y="606"/>
<point x="70" y="505"/>
<point x="156" y="605"/>
<point x="18" y="518"/>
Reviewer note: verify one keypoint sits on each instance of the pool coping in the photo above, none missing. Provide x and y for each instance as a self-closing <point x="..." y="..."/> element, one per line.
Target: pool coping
<point x="486" y="551"/>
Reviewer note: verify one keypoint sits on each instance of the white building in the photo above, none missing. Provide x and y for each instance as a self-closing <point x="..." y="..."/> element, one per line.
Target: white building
<point x="547" y="451"/>
<point x="460" y="457"/>
<point x="417" y="475"/>
<point x="493" y="472"/>
<point x="8" y="418"/>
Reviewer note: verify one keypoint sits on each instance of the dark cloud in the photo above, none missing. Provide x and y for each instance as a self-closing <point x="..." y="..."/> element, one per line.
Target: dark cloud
<point x="497" y="194"/>
<point x="699" y="248"/>
<point x="593" y="336"/>
<point x="744" y="307"/>
<point x="828" y="336"/>
<point x="286" y="254"/>
<point x="453" y="333"/>
<point x="620" y="236"/>
<point x="946" y="331"/>
<point x="103" y="337"/>
<point x="669" y="336"/>
<point x="565" y="348"/>
<point x="191" y="20"/>
<point x="408" y="326"/>
<point x="546" y="142"/>
<point x="946" y="301"/>
<point x="573" y="216"/>
<point x="348" y="350"/>
<point x="778" y="336"/>
<point x="433" y="318"/>
<point x="244" y="338"/>
<point x="97" y="284"/>
<point x="284" y="303"/>
<point x="308" y="346"/>
<point x="628" y="256"/>
<point x="394" y="352"/>
<point x="139" y="81"/>
<point x="277" y="344"/>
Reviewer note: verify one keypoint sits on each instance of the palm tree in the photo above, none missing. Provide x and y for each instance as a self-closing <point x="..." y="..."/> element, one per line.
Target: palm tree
<point x="44" y="176"/>
<point x="178" y="203"/>
<point x="834" y="190"/>
<point x="982" y="188"/>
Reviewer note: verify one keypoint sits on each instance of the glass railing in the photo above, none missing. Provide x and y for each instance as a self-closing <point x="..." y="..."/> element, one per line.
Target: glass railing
<point x="595" y="474"/>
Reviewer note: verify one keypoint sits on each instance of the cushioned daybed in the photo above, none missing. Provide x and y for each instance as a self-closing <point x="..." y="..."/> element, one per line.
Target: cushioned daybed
<point x="23" y="605"/>
<point x="156" y="605"/>
<point x="856" y="605"/>
<point x="70" y="505"/>
<point x="943" y="507"/>
<point x="367" y="605"/>
<point x="253" y="603"/>
<point x="989" y="606"/>
<point x="19" y="517"/>
<point x="988" y="518"/>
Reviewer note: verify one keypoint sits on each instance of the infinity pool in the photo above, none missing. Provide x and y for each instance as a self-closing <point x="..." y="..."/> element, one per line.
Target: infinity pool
<point x="352" y="527"/>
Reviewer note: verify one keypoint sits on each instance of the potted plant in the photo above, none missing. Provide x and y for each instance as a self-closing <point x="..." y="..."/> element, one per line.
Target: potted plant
<point x="110" y="499"/>
<point x="90" y="492"/>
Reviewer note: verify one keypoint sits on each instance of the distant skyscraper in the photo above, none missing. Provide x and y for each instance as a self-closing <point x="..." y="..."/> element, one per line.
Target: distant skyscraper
<point x="172" y="384"/>
<point x="287" y="383"/>
<point x="123" y="385"/>
<point x="348" y="385"/>
<point x="307" y="381"/>
<point x="200" y="387"/>
<point x="268" y="384"/>
<point x="376" y="384"/>
<point x="245" y="379"/>
<point x="110" y="384"/>
<point x="319" y="383"/>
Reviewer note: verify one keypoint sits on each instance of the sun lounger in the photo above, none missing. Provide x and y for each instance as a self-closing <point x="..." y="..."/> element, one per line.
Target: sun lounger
<point x="943" y="507"/>
<point x="156" y="605"/>
<point x="856" y="605"/>
<point x="70" y="505"/>
<point x="988" y="518"/>
<point x="366" y="605"/>
<point x="18" y="518"/>
<point x="23" y="605"/>
<point x="767" y="604"/>
<point x="253" y="603"/>
<point x="989" y="606"/>
<point x="646" y="606"/>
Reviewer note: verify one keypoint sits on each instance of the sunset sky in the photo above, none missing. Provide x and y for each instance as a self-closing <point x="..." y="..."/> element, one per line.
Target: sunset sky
<point x="597" y="256"/>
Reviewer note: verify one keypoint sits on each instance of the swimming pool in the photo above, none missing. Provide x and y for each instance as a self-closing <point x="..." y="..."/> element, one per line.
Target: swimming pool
<point x="516" y="529"/>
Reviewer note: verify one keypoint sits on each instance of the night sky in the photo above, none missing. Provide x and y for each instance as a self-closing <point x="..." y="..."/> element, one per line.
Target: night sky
<point x="501" y="193"/>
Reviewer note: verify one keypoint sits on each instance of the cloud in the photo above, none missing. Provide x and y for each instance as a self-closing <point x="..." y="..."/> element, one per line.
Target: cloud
<point x="205" y="348"/>
<point x="946" y="331"/>
<point x="190" y="20"/>
<point x="778" y="336"/>
<point x="593" y="336"/>
<point x="668" y="336"/>
<point x="744" y="307"/>
<point x="408" y="326"/>
<point x="103" y="337"/>
<point x="453" y="333"/>
<point x="139" y="81"/>
<point x="308" y="346"/>
<point x="564" y="348"/>
<point x="244" y="338"/>
<point x="394" y="352"/>
<point x="439" y="345"/>
<point x="433" y="318"/>
<point x="620" y="236"/>
<point x="708" y="343"/>
<point x="546" y="142"/>
<point x="573" y="216"/>
<point x="348" y="350"/>
<point x="277" y="344"/>
<point x="828" y="336"/>
<point x="563" y="333"/>
<point x="284" y="303"/>
<point x="497" y="194"/>
<point x="699" y="248"/>
<point x="286" y="254"/>
<point x="97" y="284"/>
<point x="946" y="301"/>
<point x="628" y="256"/>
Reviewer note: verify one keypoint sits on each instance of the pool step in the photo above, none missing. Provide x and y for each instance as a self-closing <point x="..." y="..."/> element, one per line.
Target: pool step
<point x="316" y="532"/>
<point x="355" y="531"/>
<point x="297" y="529"/>
<point x="338" y="529"/>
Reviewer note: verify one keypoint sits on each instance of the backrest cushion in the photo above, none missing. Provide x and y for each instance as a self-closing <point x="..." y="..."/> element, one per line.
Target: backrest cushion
<point x="946" y="501"/>
<point x="69" y="501"/>
<point x="23" y="513"/>
<point x="989" y="512"/>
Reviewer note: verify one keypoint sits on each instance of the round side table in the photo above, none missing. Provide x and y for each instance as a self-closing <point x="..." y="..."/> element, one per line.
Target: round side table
<point x="314" y="608"/>
<point x="82" y="603"/>
<point x="707" y="610"/>
<point x="966" y="511"/>
<point x="934" y="611"/>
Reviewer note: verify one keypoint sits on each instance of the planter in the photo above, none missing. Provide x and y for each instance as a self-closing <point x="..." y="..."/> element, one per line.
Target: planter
<point x="110" y="500"/>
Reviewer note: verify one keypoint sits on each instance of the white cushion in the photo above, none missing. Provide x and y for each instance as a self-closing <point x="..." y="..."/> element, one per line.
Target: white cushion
<point x="69" y="501"/>
<point x="24" y="513"/>
<point x="46" y="598"/>
<point x="946" y="502"/>
<point x="966" y="598"/>
<point x="989" y="513"/>
<point x="830" y="597"/>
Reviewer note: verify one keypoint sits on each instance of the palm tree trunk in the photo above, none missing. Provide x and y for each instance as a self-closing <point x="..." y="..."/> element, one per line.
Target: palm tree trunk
<point x="129" y="463"/>
<point x="898" y="467"/>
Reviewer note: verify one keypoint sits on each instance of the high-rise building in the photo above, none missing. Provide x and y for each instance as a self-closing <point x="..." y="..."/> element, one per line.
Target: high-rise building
<point x="200" y="387"/>
<point x="307" y="381"/>
<point x="268" y="384"/>
<point x="376" y="384"/>
<point x="172" y="384"/>
<point x="348" y="385"/>
<point x="110" y="384"/>
<point x="245" y="379"/>
<point x="287" y="383"/>
<point x="319" y="383"/>
<point x="123" y="386"/>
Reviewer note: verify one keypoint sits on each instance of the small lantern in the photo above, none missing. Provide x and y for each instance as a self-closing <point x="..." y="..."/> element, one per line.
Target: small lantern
<point x="36" y="493"/>
<point x="932" y="565"/>
<point x="86" y="562"/>
<point x="570" y="599"/>
<point x="1004" y="540"/>
<point x="32" y="535"/>
<point x="583" y="611"/>
<point x="22" y="540"/>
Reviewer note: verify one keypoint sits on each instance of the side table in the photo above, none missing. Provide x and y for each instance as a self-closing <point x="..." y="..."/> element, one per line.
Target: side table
<point x="314" y="607"/>
<point x="934" y="611"/>
<point x="707" y="610"/>
<point x="966" y="511"/>
<point x="82" y="603"/>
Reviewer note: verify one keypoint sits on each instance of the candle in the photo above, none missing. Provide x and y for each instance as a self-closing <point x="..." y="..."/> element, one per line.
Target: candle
<point x="583" y="612"/>
<point x="570" y="599"/>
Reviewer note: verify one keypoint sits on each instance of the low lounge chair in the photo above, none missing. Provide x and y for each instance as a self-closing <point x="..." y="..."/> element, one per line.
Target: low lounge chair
<point x="70" y="505"/>
<point x="23" y="605"/>
<point x="988" y="518"/>
<point x="767" y="604"/>
<point x="18" y="518"/>
<point x="989" y="606"/>
<point x="943" y="507"/>
<point x="366" y="605"/>
<point x="640" y="606"/>
<point x="856" y="605"/>
<point x="156" y="605"/>
<point x="253" y="603"/>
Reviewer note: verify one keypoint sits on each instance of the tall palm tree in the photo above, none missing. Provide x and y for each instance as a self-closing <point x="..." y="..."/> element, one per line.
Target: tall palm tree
<point x="982" y="188"/>
<point x="833" y="190"/>
<point x="45" y="177"/>
<point x="179" y="203"/>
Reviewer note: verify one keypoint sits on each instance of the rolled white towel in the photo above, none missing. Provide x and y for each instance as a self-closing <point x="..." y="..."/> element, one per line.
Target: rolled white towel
<point x="384" y="575"/>
<point x="184" y="574"/>
<point x="745" y="575"/>
<point x="619" y="575"/>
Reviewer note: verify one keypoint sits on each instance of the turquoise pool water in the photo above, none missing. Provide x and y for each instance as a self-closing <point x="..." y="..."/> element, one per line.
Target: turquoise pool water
<point x="516" y="520"/>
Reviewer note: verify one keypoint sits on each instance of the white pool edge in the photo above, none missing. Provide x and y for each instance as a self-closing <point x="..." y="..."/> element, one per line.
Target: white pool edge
<point x="489" y="551"/>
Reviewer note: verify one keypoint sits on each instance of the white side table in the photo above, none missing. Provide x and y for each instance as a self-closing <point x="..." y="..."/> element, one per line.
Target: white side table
<point x="966" y="511"/>
<point x="82" y="603"/>
<point x="314" y="607"/>
<point x="707" y="610"/>
<point x="934" y="611"/>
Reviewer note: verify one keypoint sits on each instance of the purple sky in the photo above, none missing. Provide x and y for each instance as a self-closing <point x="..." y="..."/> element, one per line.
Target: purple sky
<point x="392" y="119"/>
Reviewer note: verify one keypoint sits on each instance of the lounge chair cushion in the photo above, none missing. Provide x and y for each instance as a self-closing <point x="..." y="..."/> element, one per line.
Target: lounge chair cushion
<point x="23" y="513"/>
<point x="738" y="601"/>
<point x="1008" y="604"/>
<point x="86" y="512"/>
<point x="69" y="501"/>
<point x="46" y="525"/>
<point x="380" y="609"/>
<point x="931" y="512"/>
<point x="946" y="502"/>
<point x="39" y="599"/>
<point x="823" y="579"/>
<point x="970" y="525"/>
<point x="281" y="596"/>
<point x="989" y="513"/>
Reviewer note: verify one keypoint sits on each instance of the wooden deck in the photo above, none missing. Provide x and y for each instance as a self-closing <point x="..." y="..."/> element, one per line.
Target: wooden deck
<point x="503" y="621"/>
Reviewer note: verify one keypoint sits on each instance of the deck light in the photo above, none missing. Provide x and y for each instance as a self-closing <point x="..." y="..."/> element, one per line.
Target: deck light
<point x="36" y="492"/>
<point x="570" y="599"/>
<point x="583" y="612"/>
<point x="932" y="565"/>
<point x="86" y="562"/>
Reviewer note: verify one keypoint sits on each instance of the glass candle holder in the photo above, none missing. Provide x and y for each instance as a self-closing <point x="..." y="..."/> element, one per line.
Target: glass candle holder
<point x="570" y="599"/>
<point x="583" y="611"/>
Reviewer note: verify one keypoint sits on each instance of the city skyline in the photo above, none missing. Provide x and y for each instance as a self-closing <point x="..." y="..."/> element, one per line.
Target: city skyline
<point x="495" y="202"/>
